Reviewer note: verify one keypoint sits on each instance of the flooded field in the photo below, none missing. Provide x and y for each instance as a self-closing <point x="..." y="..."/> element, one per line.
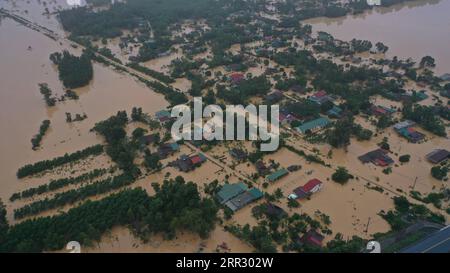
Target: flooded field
<point x="414" y="29"/>
<point x="22" y="69"/>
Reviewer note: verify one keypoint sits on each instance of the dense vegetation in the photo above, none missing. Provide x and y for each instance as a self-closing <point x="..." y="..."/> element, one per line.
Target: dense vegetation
<point x="72" y="196"/>
<point x="406" y="213"/>
<point x="36" y="140"/>
<point x="47" y="93"/>
<point x="57" y="184"/>
<point x="44" y="165"/>
<point x="119" y="147"/>
<point x="175" y="206"/>
<point x="73" y="71"/>
<point x="426" y="117"/>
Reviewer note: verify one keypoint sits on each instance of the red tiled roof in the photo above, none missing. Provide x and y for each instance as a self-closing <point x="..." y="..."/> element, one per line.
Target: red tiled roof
<point x="196" y="159"/>
<point x="320" y="94"/>
<point x="237" y="76"/>
<point x="311" y="184"/>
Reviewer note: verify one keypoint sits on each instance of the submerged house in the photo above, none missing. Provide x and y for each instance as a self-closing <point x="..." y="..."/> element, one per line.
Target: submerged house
<point x="274" y="97"/>
<point x="381" y="110"/>
<point x="166" y="149"/>
<point x="150" y="139"/>
<point x="378" y="157"/>
<point x="312" y="186"/>
<point x="406" y="130"/>
<point x="411" y="134"/>
<point x="238" y="154"/>
<point x="163" y="116"/>
<point x="274" y="211"/>
<point x="186" y="163"/>
<point x="277" y="175"/>
<point x="335" y="112"/>
<point x="229" y="191"/>
<point x="438" y="155"/>
<point x="313" y="125"/>
<point x="320" y="97"/>
<point x="236" y="78"/>
<point x="313" y="238"/>
<point x="261" y="168"/>
<point x="241" y="200"/>
<point x="403" y="124"/>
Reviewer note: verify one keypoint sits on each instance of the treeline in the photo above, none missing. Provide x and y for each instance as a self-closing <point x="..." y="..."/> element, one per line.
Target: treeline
<point x="47" y="93"/>
<point x="176" y="205"/>
<point x="152" y="73"/>
<point x="406" y="213"/>
<point x="121" y="150"/>
<point x="72" y="196"/>
<point x="44" y="165"/>
<point x="36" y="140"/>
<point x="57" y="184"/>
<point x="426" y="117"/>
<point x="73" y="71"/>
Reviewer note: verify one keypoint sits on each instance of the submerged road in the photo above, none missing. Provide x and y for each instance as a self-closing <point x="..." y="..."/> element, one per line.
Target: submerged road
<point x="438" y="242"/>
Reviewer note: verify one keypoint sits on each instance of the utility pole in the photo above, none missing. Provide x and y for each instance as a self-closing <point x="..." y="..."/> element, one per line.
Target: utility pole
<point x="415" y="181"/>
<point x="367" y="226"/>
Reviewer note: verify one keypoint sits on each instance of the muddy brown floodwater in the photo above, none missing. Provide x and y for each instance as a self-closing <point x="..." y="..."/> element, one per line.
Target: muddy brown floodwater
<point x="413" y="29"/>
<point x="22" y="107"/>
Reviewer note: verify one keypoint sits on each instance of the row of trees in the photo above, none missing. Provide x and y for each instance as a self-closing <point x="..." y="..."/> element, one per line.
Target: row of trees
<point x="57" y="184"/>
<point x="47" y="93"/>
<point x="176" y="205"/>
<point x="426" y="117"/>
<point x="36" y="140"/>
<point x="44" y="165"/>
<point x="72" y="196"/>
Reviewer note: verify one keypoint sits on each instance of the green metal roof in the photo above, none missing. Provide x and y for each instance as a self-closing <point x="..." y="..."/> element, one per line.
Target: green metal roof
<point x="277" y="175"/>
<point x="319" y="122"/>
<point x="255" y="193"/>
<point x="229" y="191"/>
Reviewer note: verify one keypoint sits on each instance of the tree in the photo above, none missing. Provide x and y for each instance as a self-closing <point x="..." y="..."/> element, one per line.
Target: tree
<point x="340" y="135"/>
<point x="427" y="61"/>
<point x="138" y="133"/>
<point x="151" y="161"/>
<point x="3" y="225"/>
<point x="73" y="71"/>
<point x="404" y="158"/>
<point x="341" y="175"/>
<point x="439" y="172"/>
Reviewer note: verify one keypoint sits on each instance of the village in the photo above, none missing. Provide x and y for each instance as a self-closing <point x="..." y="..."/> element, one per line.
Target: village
<point x="359" y="135"/>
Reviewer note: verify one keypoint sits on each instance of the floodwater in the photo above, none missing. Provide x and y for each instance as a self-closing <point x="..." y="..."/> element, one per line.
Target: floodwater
<point x="414" y="29"/>
<point x="22" y="108"/>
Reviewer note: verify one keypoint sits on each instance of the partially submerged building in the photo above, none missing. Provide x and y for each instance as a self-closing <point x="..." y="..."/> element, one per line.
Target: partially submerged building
<point x="188" y="163"/>
<point x="243" y="199"/>
<point x="312" y="186"/>
<point x="320" y="97"/>
<point x="166" y="149"/>
<point x="378" y="157"/>
<point x="277" y="175"/>
<point x="438" y="155"/>
<point x="406" y="130"/>
<point x="163" y="116"/>
<point x="238" y="154"/>
<point x="229" y="191"/>
<point x="313" y="125"/>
